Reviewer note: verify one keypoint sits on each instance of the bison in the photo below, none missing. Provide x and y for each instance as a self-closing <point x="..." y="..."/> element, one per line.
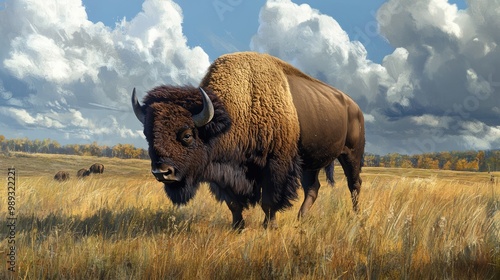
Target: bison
<point x="61" y="176"/>
<point x="256" y="129"/>
<point x="83" y="173"/>
<point x="96" y="168"/>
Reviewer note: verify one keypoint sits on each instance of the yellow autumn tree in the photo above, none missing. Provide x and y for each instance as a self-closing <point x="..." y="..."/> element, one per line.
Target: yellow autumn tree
<point x="447" y="165"/>
<point x="461" y="165"/>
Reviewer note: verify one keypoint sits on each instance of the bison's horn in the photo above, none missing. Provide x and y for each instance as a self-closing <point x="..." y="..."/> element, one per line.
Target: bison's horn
<point x="139" y="113"/>
<point x="206" y="115"/>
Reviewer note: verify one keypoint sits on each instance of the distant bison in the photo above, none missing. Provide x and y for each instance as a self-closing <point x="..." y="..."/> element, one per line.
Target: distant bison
<point x="61" y="176"/>
<point x="96" y="168"/>
<point x="256" y="129"/>
<point x="83" y="173"/>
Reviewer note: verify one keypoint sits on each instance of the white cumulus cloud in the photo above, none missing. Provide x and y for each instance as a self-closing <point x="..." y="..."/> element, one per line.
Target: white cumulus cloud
<point x="318" y="45"/>
<point x="60" y="71"/>
<point x="438" y="87"/>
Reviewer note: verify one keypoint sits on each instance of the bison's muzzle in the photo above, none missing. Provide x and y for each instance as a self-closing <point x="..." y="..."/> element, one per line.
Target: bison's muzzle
<point x="165" y="174"/>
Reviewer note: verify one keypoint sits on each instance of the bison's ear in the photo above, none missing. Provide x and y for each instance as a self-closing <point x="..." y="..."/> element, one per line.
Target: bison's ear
<point x="220" y="123"/>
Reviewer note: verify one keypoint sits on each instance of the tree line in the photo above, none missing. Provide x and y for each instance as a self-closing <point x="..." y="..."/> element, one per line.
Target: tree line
<point x="48" y="146"/>
<point x="488" y="160"/>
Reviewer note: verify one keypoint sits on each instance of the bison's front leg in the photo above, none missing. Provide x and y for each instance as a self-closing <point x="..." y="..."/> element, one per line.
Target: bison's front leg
<point x="267" y="206"/>
<point x="269" y="211"/>
<point x="226" y="194"/>
<point x="237" y="211"/>
<point x="270" y="218"/>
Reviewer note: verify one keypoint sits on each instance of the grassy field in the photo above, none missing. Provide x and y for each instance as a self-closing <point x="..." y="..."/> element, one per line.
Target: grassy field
<point x="413" y="224"/>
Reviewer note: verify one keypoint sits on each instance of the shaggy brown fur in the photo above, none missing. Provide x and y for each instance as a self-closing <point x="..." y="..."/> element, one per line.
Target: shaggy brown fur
<point x="61" y="176"/>
<point x="82" y="173"/>
<point x="168" y="110"/>
<point x="266" y="130"/>
<point x="96" y="168"/>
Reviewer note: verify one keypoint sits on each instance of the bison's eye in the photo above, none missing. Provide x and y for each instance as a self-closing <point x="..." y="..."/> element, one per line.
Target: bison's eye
<point x="186" y="137"/>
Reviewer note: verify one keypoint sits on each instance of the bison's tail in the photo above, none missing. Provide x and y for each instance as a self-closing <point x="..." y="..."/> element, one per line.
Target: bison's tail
<point x="329" y="174"/>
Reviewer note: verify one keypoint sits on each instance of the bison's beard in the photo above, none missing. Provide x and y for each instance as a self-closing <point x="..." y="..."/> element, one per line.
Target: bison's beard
<point x="181" y="192"/>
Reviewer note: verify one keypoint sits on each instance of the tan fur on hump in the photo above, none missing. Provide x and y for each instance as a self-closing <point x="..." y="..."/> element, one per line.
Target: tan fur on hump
<point x="257" y="96"/>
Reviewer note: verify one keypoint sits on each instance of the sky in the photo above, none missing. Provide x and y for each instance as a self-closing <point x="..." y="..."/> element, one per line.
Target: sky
<point x="423" y="72"/>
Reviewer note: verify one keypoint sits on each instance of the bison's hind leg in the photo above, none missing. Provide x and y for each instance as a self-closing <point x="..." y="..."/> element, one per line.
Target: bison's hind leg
<point x="329" y="173"/>
<point x="351" y="163"/>
<point x="310" y="185"/>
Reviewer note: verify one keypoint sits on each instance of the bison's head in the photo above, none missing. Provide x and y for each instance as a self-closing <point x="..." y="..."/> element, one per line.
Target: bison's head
<point x="180" y="125"/>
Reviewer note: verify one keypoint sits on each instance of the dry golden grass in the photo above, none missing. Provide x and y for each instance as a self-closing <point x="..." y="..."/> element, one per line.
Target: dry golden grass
<point x="413" y="224"/>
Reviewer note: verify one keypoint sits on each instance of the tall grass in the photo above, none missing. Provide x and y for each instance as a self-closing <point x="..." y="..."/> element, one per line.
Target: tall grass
<point x="413" y="224"/>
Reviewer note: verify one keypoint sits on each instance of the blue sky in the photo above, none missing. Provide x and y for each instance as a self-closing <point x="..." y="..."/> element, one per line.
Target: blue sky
<point x="424" y="72"/>
<point x="236" y="21"/>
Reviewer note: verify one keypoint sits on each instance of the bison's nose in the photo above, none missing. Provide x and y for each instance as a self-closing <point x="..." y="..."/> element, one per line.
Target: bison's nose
<point x="165" y="173"/>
